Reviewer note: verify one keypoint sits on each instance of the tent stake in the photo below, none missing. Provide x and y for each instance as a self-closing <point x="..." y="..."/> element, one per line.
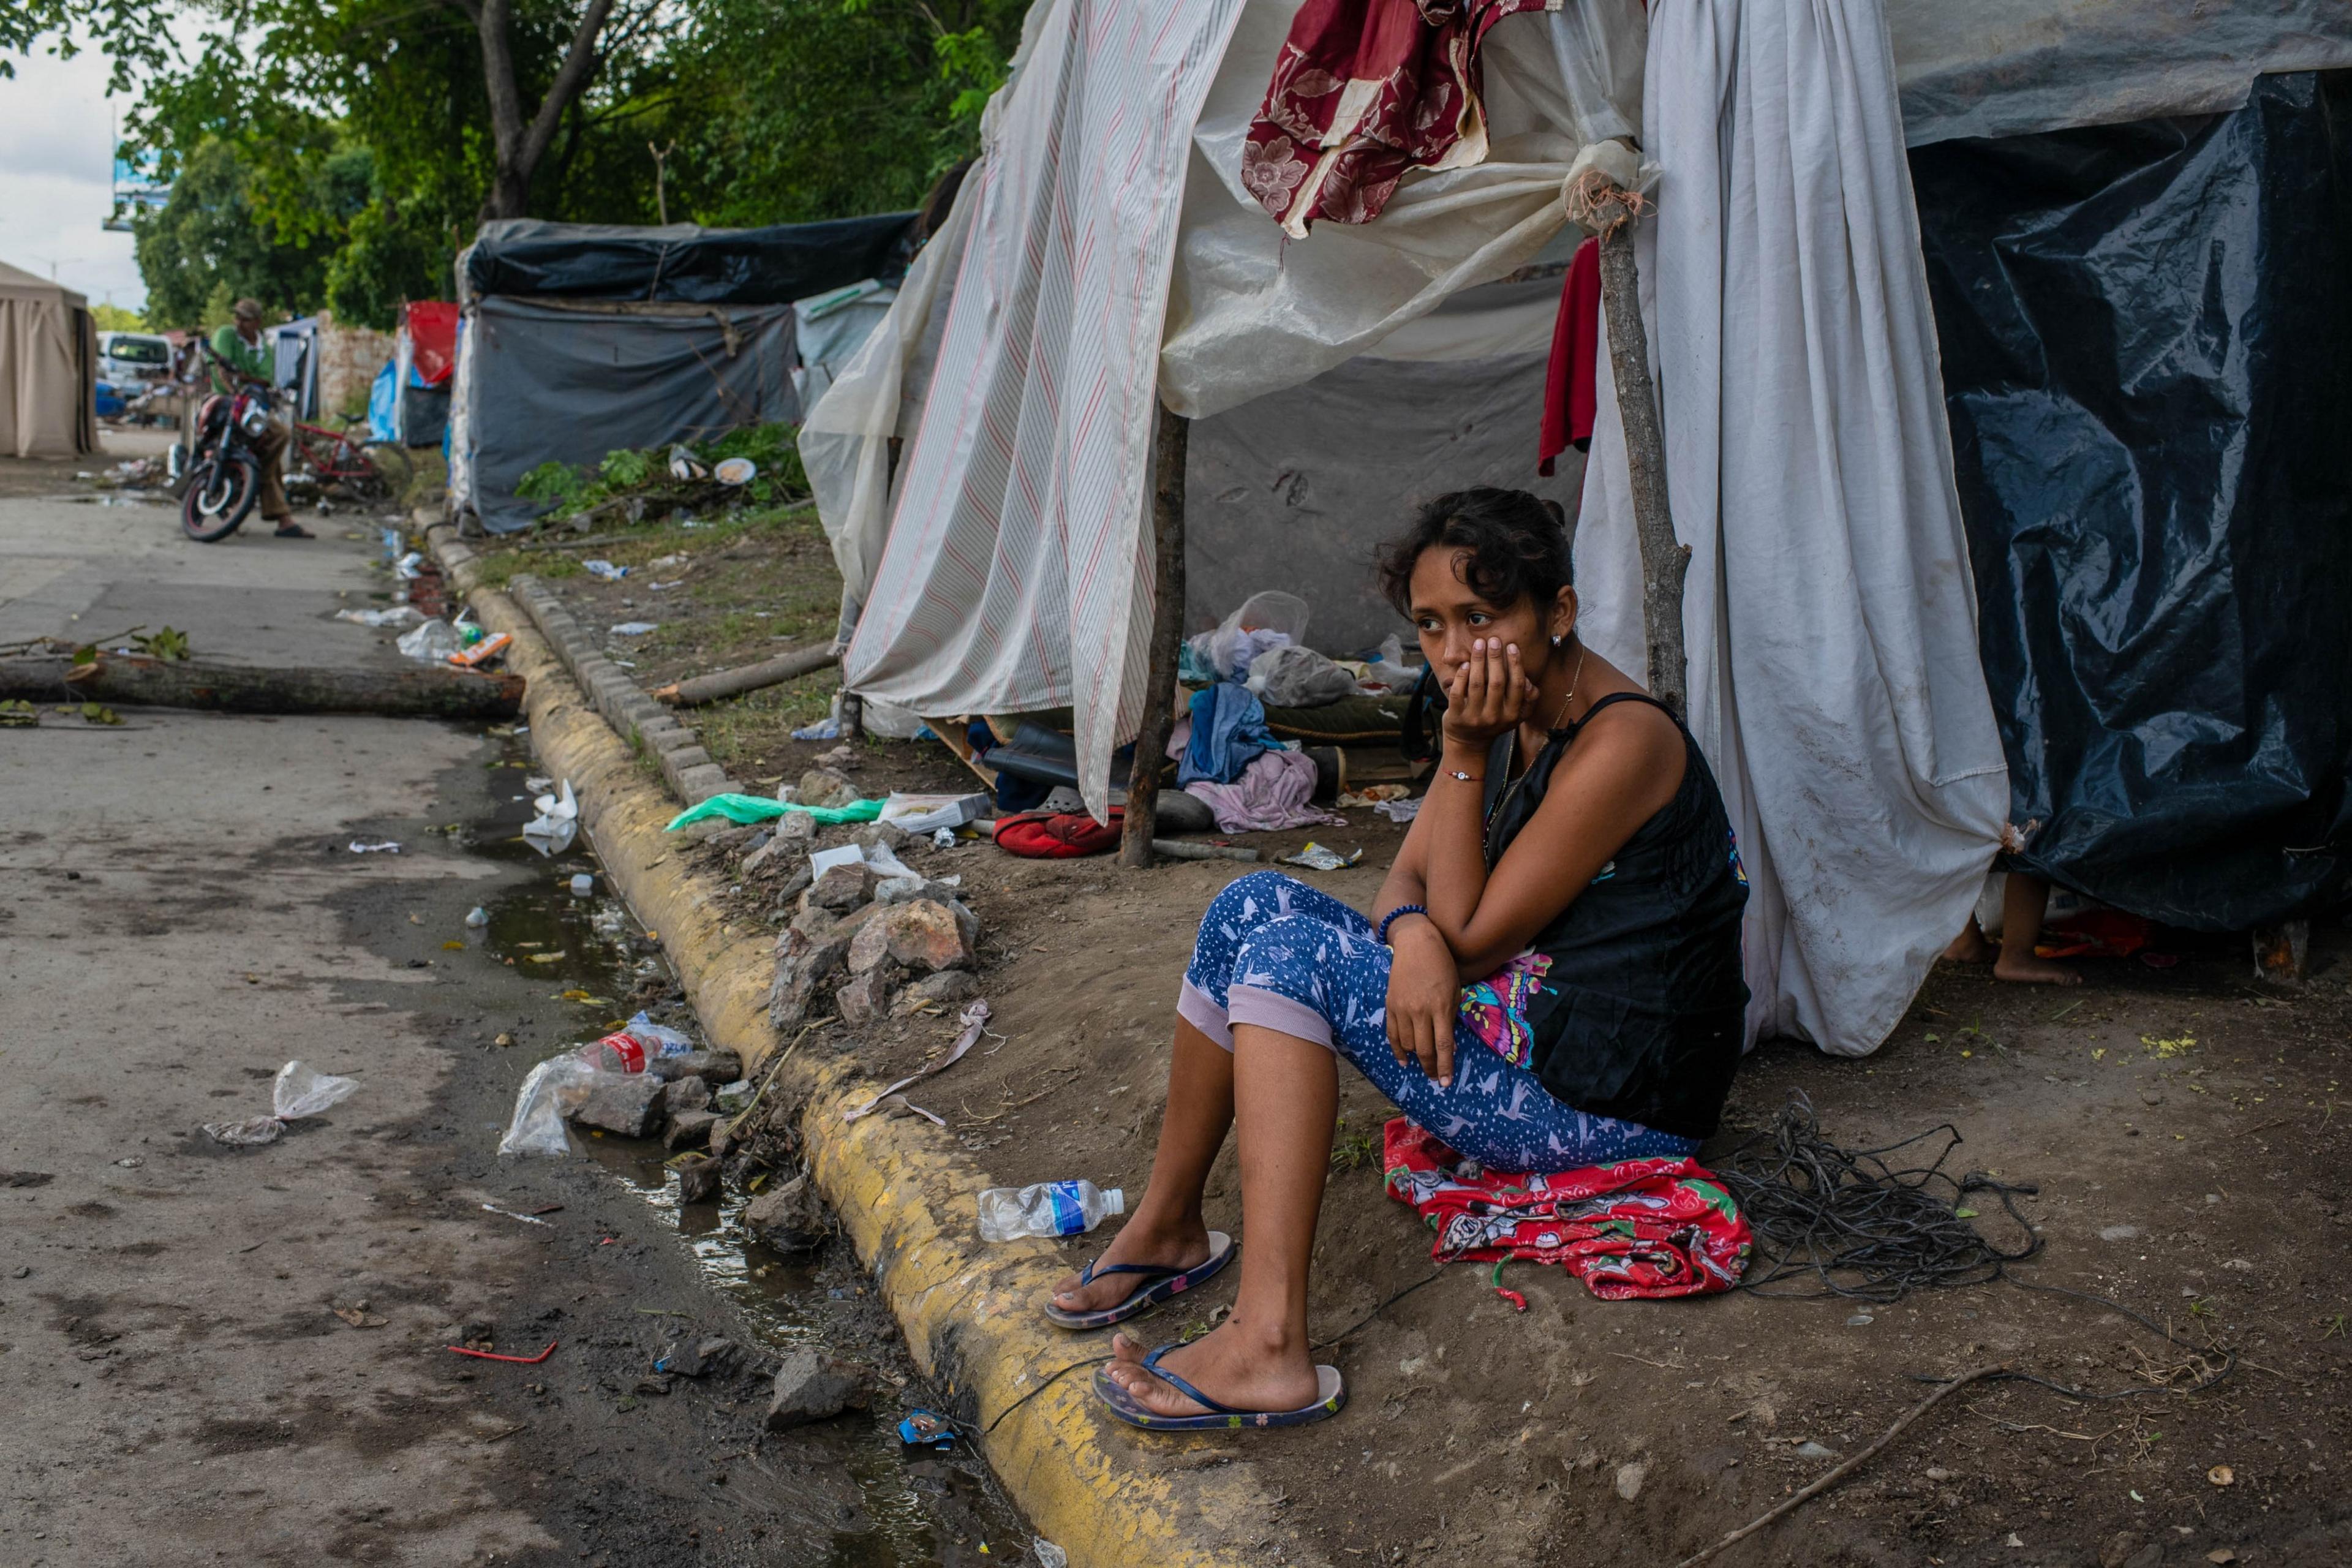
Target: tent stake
<point x="1664" y="559"/>
<point x="1167" y="634"/>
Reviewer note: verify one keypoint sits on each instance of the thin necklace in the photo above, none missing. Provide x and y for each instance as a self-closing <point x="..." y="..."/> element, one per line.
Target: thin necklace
<point x="1512" y="786"/>
<point x="1573" y="679"/>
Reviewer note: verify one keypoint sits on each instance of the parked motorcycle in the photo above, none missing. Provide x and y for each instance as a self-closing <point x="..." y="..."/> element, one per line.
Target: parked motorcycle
<point x="222" y="478"/>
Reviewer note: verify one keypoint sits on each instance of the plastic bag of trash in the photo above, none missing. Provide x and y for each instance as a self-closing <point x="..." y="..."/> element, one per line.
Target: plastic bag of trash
<point x="1389" y="671"/>
<point x="551" y="1090"/>
<point x="1271" y="619"/>
<point x="397" y="616"/>
<point x="431" y="643"/>
<point x="1293" y="677"/>
<point x="299" y="1091"/>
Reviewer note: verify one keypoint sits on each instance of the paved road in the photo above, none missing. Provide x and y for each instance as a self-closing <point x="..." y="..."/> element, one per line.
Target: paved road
<point x="183" y="915"/>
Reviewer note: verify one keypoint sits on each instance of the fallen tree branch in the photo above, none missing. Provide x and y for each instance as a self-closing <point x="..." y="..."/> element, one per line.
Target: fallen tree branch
<point x="1838" y="1474"/>
<point x="701" y="689"/>
<point x="424" y="692"/>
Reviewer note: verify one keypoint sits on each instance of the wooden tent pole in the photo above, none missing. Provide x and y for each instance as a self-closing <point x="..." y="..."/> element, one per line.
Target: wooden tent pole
<point x="1665" y="560"/>
<point x="1167" y="636"/>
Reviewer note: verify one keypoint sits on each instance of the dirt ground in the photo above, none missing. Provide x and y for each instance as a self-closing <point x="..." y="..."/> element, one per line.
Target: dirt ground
<point x="2180" y="1125"/>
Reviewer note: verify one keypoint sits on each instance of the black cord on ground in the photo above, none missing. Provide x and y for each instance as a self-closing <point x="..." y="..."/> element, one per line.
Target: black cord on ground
<point x="1090" y="1361"/>
<point x="1376" y="1311"/>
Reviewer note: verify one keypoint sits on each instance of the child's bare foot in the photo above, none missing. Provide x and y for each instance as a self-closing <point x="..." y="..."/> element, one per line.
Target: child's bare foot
<point x="1970" y="947"/>
<point x="2031" y="969"/>
<point x="1181" y="1245"/>
<point x="1229" y="1364"/>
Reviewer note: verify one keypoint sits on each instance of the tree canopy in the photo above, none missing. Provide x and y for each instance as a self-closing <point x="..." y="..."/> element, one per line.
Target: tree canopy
<point x="341" y="152"/>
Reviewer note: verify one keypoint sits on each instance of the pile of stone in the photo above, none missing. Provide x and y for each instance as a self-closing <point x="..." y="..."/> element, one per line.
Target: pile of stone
<point x="671" y="1099"/>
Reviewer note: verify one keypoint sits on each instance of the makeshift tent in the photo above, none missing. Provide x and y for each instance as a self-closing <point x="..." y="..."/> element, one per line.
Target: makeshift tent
<point x="1099" y="255"/>
<point x="2146" y="336"/>
<point x="582" y="338"/>
<point x="48" y="368"/>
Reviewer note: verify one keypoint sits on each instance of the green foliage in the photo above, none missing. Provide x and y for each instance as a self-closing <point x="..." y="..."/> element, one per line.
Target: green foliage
<point x="552" y="481"/>
<point x="135" y="34"/>
<point x="623" y="469"/>
<point x="628" y="470"/>
<point x="166" y="645"/>
<point x="117" y="319"/>
<point x="208" y="242"/>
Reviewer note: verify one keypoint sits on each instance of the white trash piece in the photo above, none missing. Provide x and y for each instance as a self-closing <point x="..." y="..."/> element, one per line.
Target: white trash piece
<point x="477" y="917"/>
<point x="550" y="831"/>
<point x="397" y="616"/>
<point x="635" y="629"/>
<point x="553" y="1087"/>
<point x="1050" y="1555"/>
<point x="1047" y="1208"/>
<point x="1270" y="619"/>
<point x="299" y="1091"/>
<point x="582" y="884"/>
<point x="605" y="569"/>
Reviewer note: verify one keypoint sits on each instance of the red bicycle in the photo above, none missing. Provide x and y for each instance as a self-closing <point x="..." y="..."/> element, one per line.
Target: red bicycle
<point x="335" y="457"/>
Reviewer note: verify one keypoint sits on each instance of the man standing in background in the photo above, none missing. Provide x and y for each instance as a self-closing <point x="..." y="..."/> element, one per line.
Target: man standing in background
<point x="239" y="344"/>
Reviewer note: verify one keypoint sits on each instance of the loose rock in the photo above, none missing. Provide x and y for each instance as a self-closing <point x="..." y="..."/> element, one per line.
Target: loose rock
<point x="697" y="1179"/>
<point x="630" y="1106"/>
<point x="841" y="888"/>
<point x="789" y="1216"/>
<point x="813" y="1387"/>
<point x="921" y="933"/>
<point x="948" y="988"/>
<point x="796" y="828"/>
<point x="686" y="1094"/>
<point x="867" y="997"/>
<point x="1630" y="1479"/>
<point x="823" y="786"/>
<point x="689" y="1128"/>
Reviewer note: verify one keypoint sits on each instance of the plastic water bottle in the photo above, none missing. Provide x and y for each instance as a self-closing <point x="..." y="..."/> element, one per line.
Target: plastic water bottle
<point x="1049" y="1208"/>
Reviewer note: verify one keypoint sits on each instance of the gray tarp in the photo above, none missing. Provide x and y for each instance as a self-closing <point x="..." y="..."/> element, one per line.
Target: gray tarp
<point x="1291" y="491"/>
<point x="568" y="383"/>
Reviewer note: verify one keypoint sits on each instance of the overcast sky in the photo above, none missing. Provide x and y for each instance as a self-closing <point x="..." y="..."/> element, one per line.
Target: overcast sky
<point x="56" y="177"/>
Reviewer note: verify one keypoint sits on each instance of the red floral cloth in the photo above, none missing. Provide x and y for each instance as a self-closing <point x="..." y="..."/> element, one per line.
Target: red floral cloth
<point x="1569" y="394"/>
<point x="1362" y="90"/>
<point x="1641" y="1228"/>
<point x="1047" y="835"/>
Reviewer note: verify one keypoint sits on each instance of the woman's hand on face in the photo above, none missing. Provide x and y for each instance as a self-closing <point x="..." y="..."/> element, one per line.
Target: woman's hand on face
<point x="1487" y="693"/>
<point x="1424" y="987"/>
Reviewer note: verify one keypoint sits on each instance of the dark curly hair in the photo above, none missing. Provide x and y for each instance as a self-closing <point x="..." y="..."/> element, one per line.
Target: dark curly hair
<point x="1517" y="546"/>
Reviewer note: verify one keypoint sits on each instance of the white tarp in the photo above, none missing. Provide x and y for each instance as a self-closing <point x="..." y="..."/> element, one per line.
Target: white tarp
<point x="1834" y="682"/>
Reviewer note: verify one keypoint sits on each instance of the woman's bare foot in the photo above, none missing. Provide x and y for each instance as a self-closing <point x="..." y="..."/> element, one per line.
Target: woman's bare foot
<point x="1970" y="947"/>
<point x="1182" y="1244"/>
<point x="2029" y="968"/>
<point x="1230" y="1364"/>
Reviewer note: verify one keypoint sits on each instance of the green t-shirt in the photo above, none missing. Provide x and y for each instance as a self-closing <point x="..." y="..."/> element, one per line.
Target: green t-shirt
<point x="250" y="359"/>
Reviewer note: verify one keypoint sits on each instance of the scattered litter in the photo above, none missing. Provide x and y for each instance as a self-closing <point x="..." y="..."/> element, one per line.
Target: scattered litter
<point x="736" y="471"/>
<point x="673" y="560"/>
<point x="605" y="569"/>
<point x="2166" y="1049"/>
<point x="475" y="655"/>
<point x="397" y="616"/>
<point x="1398" y="810"/>
<point x="1050" y="1555"/>
<point x="477" y="917"/>
<point x="582" y="884"/>
<point x="635" y="629"/>
<point x="2221" y="1475"/>
<point x="359" y="1317"/>
<point x="685" y="465"/>
<point x="297" y="1091"/>
<point x="975" y="1019"/>
<point x="928" y="813"/>
<point x="561" y="1084"/>
<point x="943" y="838"/>
<point x="388" y="847"/>
<point x="745" y="809"/>
<point x="822" y="730"/>
<point x="409" y="567"/>
<point x="1373" y="794"/>
<point x="1316" y="858"/>
<point x="431" y="643"/>
<point x="510" y="1214"/>
<point x="1812" y="1450"/>
<point x="1047" y="1209"/>
<point x="550" y="831"/>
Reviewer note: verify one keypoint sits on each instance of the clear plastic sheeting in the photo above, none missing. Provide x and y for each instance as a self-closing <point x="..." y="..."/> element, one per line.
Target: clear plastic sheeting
<point x="1829" y="616"/>
<point x="2002" y="68"/>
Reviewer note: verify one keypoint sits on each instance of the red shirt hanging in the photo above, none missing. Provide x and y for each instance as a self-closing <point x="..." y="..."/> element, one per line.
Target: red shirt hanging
<point x="1575" y="354"/>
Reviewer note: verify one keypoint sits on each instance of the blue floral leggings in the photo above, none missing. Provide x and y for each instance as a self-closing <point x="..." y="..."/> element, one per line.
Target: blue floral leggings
<point x="1277" y="953"/>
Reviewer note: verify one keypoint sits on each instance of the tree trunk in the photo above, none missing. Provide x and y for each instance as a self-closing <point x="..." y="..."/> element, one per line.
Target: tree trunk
<point x="1665" y="560"/>
<point x="518" y="146"/>
<point x="423" y="693"/>
<point x="712" y="688"/>
<point x="1167" y="636"/>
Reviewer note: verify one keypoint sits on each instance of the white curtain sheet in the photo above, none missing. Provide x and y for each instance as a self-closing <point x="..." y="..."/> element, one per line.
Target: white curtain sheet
<point x="1834" y="682"/>
<point x="1017" y="573"/>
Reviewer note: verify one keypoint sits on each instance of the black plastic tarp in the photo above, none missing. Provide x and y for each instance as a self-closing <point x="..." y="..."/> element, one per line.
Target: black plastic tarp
<point x="545" y="382"/>
<point x="683" y="263"/>
<point x="2146" y="335"/>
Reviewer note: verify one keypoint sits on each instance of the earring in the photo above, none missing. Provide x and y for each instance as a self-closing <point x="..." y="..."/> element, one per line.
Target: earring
<point x="1557" y="640"/>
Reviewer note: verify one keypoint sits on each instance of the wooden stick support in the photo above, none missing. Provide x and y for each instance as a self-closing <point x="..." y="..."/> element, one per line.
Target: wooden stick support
<point x="723" y="683"/>
<point x="1167" y="636"/>
<point x="419" y="691"/>
<point x="1665" y="559"/>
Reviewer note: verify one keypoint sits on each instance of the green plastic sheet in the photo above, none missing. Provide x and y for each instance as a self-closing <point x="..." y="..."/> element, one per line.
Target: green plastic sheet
<point x="748" y="808"/>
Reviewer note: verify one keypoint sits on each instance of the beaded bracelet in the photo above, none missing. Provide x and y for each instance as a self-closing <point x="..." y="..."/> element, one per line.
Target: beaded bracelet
<point x="1391" y="917"/>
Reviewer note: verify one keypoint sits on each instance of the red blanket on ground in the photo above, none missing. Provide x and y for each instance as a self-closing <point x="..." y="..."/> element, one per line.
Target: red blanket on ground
<point x="1641" y="1227"/>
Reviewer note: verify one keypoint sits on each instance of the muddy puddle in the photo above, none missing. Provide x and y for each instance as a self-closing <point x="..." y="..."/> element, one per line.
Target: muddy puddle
<point x="914" y="1506"/>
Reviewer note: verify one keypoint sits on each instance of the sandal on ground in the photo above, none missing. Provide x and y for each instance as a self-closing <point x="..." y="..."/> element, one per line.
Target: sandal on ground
<point x="289" y="529"/>
<point x="1158" y="1284"/>
<point x="1331" y="1394"/>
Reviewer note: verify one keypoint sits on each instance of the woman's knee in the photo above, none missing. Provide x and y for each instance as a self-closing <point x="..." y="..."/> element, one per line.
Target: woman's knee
<point x="1251" y="898"/>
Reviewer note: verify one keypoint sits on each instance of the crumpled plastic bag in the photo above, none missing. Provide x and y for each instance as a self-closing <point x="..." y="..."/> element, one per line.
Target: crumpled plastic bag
<point x="552" y="1090"/>
<point x="1298" y="677"/>
<point x="299" y="1091"/>
<point x="1266" y="620"/>
<point x="746" y="809"/>
<point x="1389" y="671"/>
<point x="431" y="643"/>
<point x="550" y="831"/>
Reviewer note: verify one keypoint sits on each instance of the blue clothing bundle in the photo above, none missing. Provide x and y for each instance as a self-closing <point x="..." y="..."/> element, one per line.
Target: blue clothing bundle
<point x="1228" y="732"/>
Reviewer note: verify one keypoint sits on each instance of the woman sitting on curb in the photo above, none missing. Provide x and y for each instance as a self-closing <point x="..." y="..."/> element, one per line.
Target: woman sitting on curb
<point x="1552" y="980"/>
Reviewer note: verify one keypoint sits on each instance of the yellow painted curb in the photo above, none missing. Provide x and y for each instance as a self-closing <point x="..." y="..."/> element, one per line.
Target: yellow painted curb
<point x="1110" y="1496"/>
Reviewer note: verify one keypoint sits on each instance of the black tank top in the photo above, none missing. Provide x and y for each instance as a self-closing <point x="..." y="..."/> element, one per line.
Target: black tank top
<point x="1640" y="1010"/>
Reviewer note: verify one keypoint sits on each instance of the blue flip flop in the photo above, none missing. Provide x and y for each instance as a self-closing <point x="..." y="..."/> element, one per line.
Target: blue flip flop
<point x="1330" y="1394"/>
<point x="1158" y="1286"/>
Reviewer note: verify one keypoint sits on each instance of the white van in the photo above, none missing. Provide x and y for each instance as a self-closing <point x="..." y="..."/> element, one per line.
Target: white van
<point x="133" y="360"/>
